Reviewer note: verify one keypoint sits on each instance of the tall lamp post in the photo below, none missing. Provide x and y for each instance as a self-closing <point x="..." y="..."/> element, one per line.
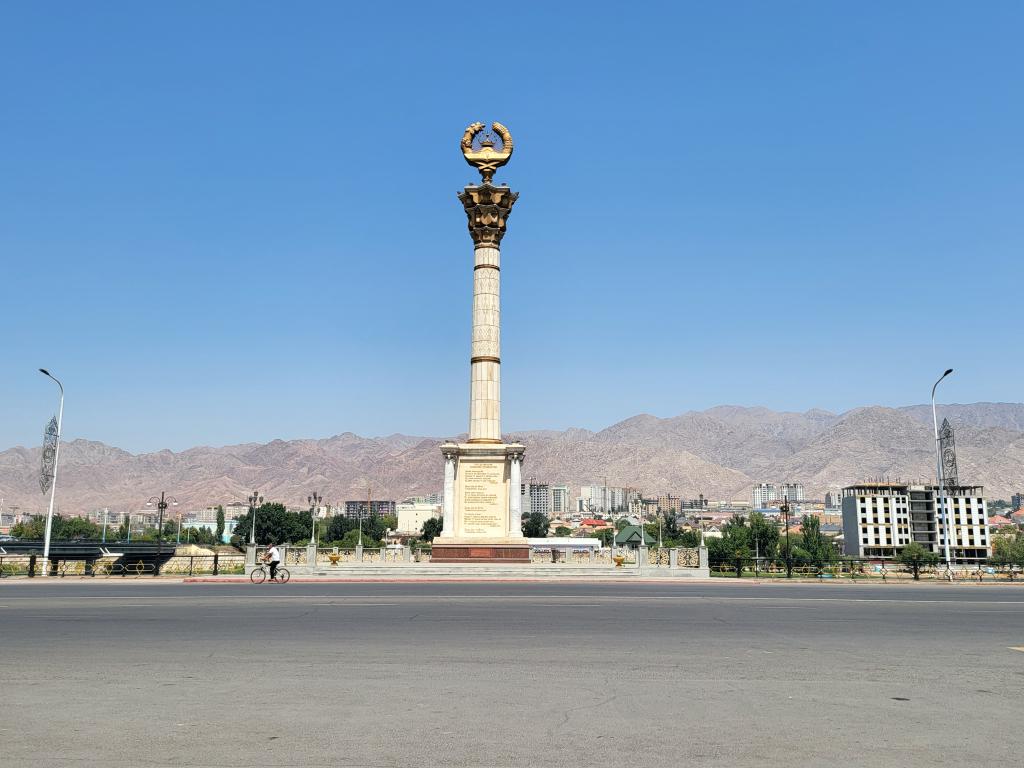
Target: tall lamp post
<point x="369" y="495"/>
<point x="254" y="501"/>
<point x="789" y="552"/>
<point x="161" y="504"/>
<point x="53" y="479"/>
<point x="314" y="503"/>
<point x="938" y="471"/>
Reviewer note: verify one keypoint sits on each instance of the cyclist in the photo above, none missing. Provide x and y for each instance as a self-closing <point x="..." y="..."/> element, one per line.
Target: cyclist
<point x="273" y="557"/>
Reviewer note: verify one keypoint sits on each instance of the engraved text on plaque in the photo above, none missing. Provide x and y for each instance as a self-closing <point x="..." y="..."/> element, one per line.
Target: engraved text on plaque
<point x="483" y="489"/>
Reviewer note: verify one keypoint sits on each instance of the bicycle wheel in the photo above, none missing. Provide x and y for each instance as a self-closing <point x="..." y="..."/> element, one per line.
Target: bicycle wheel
<point x="283" y="575"/>
<point x="258" y="575"/>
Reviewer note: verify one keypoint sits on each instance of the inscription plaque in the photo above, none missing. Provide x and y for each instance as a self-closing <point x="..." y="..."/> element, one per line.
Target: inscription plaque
<point x="483" y="502"/>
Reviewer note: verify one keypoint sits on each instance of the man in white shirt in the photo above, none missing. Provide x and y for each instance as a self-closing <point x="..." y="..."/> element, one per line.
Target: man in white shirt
<point x="273" y="556"/>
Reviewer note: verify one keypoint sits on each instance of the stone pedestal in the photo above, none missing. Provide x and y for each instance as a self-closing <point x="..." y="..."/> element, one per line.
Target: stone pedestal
<point x="482" y="514"/>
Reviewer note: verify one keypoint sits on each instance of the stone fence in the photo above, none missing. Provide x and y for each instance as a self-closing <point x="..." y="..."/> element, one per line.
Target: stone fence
<point x="656" y="557"/>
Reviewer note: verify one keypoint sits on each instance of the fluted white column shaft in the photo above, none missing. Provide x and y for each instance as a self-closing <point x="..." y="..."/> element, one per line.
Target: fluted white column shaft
<point x="485" y="362"/>
<point x="448" y="519"/>
<point x="515" y="516"/>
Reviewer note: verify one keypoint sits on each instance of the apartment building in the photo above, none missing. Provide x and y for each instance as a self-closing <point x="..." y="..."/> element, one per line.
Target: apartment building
<point x="603" y="499"/>
<point x="670" y="504"/>
<point x="560" y="502"/>
<point x="770" y="495"/>
<point x="764" y="495"/>
<point x="536" y="497"/>
<point x="413" y="514"/>
<point x="879" y="519"/>
<point x="358" y="509"/>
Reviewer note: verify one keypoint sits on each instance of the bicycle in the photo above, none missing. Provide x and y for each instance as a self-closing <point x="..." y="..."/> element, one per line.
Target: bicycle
<point x="259" y="574"/>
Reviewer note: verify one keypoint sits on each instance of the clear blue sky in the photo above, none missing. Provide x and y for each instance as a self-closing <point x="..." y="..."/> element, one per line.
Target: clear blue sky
<point x="223" y="222"/>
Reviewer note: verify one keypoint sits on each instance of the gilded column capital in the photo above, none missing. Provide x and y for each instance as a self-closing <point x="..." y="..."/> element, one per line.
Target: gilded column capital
<point x="487" y="208"/>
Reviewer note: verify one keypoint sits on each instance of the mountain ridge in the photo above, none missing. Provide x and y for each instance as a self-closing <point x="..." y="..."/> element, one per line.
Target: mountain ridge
<point x="720" y="452"/>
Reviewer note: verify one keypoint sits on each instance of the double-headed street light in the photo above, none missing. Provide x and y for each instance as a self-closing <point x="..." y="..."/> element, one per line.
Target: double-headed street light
<point x="314" y="504"/>
<point x="53" y="477"/>
<point x="255" y="500"/>
<point x="941" y="489"/>
<point x="161" y="504"/>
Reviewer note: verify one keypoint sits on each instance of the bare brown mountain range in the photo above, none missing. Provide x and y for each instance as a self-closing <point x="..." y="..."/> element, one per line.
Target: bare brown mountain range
<point x="720" y="452"/>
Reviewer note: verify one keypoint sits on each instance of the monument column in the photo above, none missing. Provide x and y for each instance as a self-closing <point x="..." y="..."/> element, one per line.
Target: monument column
<point x="482" y="476"/>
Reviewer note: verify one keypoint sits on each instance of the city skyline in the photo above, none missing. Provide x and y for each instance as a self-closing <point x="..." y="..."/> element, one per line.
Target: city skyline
<point x="207" y="248"/>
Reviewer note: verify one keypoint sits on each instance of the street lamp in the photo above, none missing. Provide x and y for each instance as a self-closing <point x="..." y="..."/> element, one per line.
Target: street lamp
<point x="254" y="501"/>
<point x="789" y="558"/>
<point x="938" y="470"/>
<point x="53" y="480"/>
<point x="161" y="504"/>
<point x="369" y="506"/>
<point x="314" y="503"/>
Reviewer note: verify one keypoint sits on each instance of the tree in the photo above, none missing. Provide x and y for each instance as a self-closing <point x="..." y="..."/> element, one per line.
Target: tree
<point x="274" y="523"/>
<point x="670" y="529"/>
<point x="535" y="525"/>
<point x="916" y="556"/>
<point x="687" y="539"/>
<point x="432" y="528"/>
<point x="337" y="526"/>
<point x="1009" y="550"/>
<point x="651" y="529"/>
<point x="34" y="528"/>
<point x="817" y="545"/>
<point x="764" y="536"/>
<point x="63" y="528"/>
<point x="605" y="535"/>
<point x="220" y="523"/>
<point x="563" y="530"/>
<point x="734" y="545"/>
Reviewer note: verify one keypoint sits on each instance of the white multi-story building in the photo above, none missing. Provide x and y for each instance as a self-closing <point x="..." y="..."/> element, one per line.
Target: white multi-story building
<point x="771" y="495"/>
<point x="790" y="492"/>
<point x="604" y="499"/>
<point x="413" y="514"/>
<point x="764" y="495"/>
<point x="879" y="519"/>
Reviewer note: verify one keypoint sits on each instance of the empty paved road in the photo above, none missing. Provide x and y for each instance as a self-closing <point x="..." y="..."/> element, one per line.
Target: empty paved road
<point x="147" y="674"/>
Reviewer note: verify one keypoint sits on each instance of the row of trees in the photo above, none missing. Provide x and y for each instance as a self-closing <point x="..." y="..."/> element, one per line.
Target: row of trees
<point x="80" y="529"/>
<point x="755" y="536"/>
<point x="276" y="524"/>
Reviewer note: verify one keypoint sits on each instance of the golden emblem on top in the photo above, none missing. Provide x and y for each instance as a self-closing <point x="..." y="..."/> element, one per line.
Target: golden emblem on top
<point x="485" y="158"/>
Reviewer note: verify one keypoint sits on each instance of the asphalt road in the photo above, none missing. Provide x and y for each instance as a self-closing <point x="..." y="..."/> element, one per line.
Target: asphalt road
<point x="147" y="674"/>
